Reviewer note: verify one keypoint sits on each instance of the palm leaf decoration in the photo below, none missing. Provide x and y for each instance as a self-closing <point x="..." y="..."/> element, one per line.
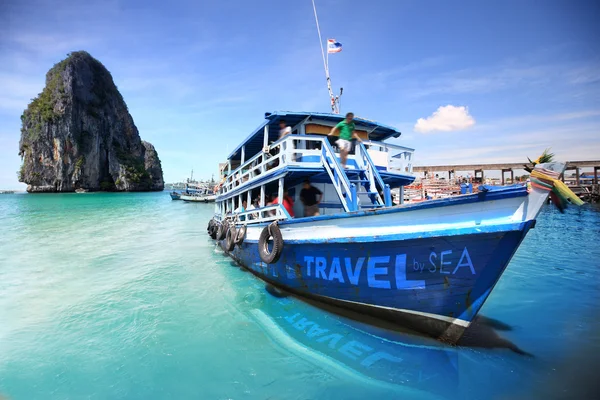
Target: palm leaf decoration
<point x="544" y="158"/>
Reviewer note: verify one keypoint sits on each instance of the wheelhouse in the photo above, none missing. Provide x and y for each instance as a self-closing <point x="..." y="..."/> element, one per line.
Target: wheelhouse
<point x="264" y="165"/>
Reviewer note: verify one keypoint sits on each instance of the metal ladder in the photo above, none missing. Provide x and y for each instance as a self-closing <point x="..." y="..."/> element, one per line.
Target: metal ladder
<point x="347" y="182"/>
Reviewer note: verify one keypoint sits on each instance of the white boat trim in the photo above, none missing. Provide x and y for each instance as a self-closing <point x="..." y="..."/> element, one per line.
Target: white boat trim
<point x="456" y="321"/>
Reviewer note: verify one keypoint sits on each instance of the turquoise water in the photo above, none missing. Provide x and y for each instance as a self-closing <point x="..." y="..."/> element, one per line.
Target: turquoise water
<point x="123" y="296"/>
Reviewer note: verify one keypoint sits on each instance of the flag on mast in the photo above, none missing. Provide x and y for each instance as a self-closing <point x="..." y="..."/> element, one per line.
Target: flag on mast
<point x="333" y="46"/>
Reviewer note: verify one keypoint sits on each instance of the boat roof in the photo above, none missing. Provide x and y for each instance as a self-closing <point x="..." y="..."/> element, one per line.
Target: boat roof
<point x="254" y="142"/>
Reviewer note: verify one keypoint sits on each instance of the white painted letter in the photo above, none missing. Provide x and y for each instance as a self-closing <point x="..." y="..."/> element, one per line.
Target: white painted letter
<point x="354" y="275"/>
<point x="465" y="255"/>
<point x="401" y="282"/>
<point x="442" y="263"/>
<point x="432" y="262"/>
<point x="308" y="260"/>
<point x="320" y="265"/>
<point x="372" y="270"/>
<point x="336" y="270"/>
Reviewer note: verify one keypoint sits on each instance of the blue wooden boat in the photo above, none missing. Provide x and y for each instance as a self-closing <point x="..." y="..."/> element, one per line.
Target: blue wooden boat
<point x="194" y="192"/>
<point x="429" y="266"/>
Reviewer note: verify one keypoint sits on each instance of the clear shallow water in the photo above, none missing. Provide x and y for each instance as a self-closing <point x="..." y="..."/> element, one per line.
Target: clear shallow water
<point x="124" y="296"/>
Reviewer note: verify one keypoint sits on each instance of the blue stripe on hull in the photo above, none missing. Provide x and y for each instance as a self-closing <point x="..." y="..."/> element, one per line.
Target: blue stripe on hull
<point x="446" y="279"/>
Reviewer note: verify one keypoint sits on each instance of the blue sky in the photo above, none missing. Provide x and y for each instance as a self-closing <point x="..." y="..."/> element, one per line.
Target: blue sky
<point x="512" y="77"/>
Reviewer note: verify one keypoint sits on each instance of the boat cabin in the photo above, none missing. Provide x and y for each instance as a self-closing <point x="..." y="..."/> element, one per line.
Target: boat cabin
<point x="264" y="165"/>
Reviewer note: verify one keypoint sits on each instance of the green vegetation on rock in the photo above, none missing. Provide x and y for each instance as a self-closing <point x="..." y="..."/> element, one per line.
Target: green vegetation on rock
<point x="21" y="173"/>
<point x="79" y="163"/>
<point x="43" y="105"/>
<point x="134" y="166"/>
<point x="107" y="186"/>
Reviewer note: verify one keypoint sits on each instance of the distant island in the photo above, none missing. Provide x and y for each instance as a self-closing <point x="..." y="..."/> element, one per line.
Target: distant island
<point x="78" y="134"/>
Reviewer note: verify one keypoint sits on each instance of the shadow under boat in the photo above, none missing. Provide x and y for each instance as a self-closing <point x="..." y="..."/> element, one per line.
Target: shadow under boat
<point x="482" y="333"/>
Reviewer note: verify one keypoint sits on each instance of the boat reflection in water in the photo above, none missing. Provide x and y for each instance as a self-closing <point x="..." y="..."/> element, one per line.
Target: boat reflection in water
<point x="364" y="350"/>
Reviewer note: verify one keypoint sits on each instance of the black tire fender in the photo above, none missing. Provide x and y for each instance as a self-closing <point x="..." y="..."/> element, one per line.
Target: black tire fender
<point x="222" y="231"/>
<point x="270" y="231"/>
<point x="229" y="242"/>
<point x="213" y="230"/>
<point x="241" y="234"/>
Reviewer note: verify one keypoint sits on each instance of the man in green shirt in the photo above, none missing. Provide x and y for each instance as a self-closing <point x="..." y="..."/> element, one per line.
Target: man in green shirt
<point x="346" y="132"/>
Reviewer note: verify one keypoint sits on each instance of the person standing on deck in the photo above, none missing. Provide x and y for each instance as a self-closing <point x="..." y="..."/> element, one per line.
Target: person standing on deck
<point x="288" y="203"/>
<point x="311" y="197"/>
<point x="285" y="130"/>
<point x="254" y="205"/>
<point x="242" y="209"/>
<point x="346" y="133"/>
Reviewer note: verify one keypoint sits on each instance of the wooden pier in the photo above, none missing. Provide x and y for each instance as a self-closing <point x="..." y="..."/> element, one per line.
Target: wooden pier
<point x="587" y="188"/>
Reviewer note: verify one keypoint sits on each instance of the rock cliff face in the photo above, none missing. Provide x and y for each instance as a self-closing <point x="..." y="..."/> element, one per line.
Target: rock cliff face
<point x="78" y="133"/>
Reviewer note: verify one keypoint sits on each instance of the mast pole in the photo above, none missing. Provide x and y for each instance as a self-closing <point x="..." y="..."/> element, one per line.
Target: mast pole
<point x="325" y="64"/>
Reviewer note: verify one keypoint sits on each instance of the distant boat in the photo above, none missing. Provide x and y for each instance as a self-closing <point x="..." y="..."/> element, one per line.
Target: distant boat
<point x="81" y="190"/>
<point x="198" y="198"/>
<point x="192" y="188"/>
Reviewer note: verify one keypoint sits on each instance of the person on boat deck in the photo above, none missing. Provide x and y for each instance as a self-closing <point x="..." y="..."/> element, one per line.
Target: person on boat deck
<point x="252" y="206"/>
<point x="285" y="130"/>
<point x="242" y="209"/>
<point x="311" y="197"/>
<point x="346" y="131"/>
<point x="288" y="203"/>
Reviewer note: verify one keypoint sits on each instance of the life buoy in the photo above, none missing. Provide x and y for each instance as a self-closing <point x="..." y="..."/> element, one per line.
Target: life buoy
<point x="270" y="231"/>
<point x="229" y="241"/>
<point x="222" y="231"/>
<point x="239" y="238"/>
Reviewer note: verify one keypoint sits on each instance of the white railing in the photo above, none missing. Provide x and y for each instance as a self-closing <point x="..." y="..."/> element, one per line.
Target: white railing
<point x="291" y="150"/>
<point x="285" y="152"/>
<point x="399" y="158"/>
<point x="274" y="212"/>
<point x="346" y="191"/>
<point x="375" y="182"/>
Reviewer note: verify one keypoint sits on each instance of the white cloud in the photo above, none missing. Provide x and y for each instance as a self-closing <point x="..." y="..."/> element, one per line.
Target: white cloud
<point x="446" y="118"/>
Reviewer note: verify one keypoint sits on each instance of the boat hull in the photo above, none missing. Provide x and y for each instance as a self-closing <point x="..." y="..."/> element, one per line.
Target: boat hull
<point x="433" y="285"/>
<point x="198" y="199"/>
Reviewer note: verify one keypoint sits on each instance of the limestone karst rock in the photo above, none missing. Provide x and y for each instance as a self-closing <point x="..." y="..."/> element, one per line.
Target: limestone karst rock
<point x="78" y="134"/>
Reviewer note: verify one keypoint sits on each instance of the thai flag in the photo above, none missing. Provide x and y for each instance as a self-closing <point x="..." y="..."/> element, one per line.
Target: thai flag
<point x="333" y="46"/>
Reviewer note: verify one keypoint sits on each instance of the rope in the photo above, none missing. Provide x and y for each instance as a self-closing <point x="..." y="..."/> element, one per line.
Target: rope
<point x="320" y="39"/>
<point x="325" y="63"/>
